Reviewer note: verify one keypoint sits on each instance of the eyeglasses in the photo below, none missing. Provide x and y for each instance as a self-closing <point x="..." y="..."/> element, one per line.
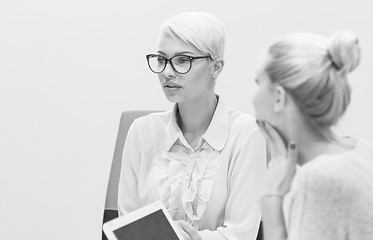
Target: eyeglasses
<point x="180" y="63"/>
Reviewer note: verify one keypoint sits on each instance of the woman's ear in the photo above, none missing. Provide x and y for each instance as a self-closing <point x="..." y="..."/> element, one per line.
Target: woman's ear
<point x="218" y="66"/>
<point x="280" y="98"/>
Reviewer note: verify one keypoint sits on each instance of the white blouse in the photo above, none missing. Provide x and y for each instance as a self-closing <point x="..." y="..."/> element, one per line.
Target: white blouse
<point x="215" y="186"/>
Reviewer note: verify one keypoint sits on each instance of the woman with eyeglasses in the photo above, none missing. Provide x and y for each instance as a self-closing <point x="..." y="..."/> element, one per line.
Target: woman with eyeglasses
<point x="203" y="160"/>
<point x="319" y="183"/>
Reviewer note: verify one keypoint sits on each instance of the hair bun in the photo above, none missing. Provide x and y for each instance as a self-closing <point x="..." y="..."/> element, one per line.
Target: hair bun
<point x="344" y="50"/>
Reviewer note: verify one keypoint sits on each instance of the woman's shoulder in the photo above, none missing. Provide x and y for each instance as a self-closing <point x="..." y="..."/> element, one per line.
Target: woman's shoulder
<point x="365" y="148"/>
<point x="242" y="120"/>
<point x="344" y="171"/>
<point x="151" y="124"/>
<point x="153" y="118"/>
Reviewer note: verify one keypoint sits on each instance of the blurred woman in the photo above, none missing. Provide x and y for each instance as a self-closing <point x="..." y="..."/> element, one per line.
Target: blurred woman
<point x="319" y="184"/>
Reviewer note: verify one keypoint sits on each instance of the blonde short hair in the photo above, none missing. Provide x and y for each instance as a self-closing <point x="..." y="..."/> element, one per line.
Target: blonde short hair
<point x="313" y="70"/>
<point x="202" y="30"/>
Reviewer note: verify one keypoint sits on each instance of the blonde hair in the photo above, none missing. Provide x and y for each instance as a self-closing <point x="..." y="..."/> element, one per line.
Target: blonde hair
<point x="313" y="70"/>
<point x="202" y="30"/>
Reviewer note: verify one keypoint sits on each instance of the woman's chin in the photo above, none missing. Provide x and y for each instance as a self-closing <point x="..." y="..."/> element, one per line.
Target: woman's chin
<point x="172" y="98"/>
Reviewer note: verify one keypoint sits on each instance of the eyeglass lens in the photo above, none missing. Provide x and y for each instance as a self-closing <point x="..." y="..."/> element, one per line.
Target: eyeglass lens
<point x="179" y="63"/>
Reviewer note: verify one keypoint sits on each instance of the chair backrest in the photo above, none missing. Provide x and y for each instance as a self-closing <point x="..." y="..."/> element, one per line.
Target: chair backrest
<point x="125" y="122"/>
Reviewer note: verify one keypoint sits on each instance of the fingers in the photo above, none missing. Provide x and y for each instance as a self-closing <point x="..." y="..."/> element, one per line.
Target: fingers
<point x="277" y="141"/>
<point x="186" y="226"/>
<point x="181" y="230"/>
<point x="292" y="152"/>
<point x="190" y="230"/>
<point x="266" y="137"/>
<point x="273" y="138"/>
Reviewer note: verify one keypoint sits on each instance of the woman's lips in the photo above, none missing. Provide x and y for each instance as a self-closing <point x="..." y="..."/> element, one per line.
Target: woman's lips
<point x="171" y="85"/>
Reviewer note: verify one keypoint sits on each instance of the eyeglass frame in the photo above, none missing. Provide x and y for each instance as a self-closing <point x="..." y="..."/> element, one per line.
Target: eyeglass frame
<point x="191" y="58"/>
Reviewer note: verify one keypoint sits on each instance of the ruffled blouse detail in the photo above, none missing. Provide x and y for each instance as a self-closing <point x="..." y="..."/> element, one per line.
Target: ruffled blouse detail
<point x="186" y="182"/>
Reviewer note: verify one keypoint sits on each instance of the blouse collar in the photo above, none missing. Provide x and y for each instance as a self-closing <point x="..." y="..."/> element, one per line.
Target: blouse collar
<point x="216" y="134"/>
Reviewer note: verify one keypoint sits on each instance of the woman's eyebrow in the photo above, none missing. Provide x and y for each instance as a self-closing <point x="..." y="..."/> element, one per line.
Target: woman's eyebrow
<point x="184" y="52"/>
<point x="160" y="52"/>
<point x="178" y="53"/>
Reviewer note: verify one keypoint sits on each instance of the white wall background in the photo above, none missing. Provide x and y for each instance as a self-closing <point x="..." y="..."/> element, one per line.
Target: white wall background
<point x="69" y="68"/>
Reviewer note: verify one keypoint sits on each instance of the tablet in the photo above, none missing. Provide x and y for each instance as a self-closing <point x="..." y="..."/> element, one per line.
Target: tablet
<point x="151" y="222"/>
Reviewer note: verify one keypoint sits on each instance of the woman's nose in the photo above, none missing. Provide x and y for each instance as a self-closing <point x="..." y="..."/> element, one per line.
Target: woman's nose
<point x="169" y="71"/>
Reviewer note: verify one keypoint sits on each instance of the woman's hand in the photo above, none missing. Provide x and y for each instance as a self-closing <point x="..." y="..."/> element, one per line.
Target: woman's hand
<point x="188" y="231"/>
<point x="281" y="168"/>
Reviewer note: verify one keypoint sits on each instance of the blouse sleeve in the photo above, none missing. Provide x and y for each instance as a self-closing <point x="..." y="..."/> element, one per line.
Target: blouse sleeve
<point x="247" y="171"/>
<point x="129" y="174"/>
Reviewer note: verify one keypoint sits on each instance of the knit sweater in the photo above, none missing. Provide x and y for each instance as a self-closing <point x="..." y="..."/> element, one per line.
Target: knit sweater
<point x="331" y="197"/>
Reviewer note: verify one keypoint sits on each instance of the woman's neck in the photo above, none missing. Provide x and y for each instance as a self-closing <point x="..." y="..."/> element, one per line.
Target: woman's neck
<point x="309" y="147"/>
<point x="195" y="117"/>
<point x="311" y="143"/>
